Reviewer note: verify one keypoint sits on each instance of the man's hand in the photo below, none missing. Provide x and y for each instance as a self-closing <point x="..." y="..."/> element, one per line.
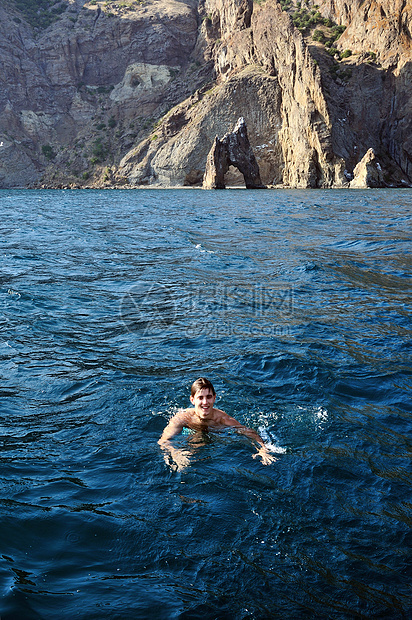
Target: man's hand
<point x="266" y="457"/>
<point x="179" y="457"/>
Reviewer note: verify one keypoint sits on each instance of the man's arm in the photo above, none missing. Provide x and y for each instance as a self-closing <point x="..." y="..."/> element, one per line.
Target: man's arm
<point x="173" y="428"/>
<point x="263" y="452"/>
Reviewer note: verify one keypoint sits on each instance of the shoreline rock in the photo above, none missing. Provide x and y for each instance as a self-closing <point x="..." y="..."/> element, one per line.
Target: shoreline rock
<point x="368" y="172"/>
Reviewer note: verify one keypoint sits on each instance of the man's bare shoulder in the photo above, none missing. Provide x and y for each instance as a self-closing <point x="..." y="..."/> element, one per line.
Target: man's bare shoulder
<point x="219" y="411"/>
<point x="175" y="425"/>
<point x="186" y="414"/>
<point x="221" y="418"/>
<point x="219" y="414"/>
<point x="187" y="417"/>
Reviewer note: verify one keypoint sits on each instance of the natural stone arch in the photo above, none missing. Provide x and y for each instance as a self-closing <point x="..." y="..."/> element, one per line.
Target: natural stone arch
<point x="232" y="150"/>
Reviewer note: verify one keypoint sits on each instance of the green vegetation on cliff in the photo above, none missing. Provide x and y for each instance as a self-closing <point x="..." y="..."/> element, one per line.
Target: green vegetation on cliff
<point x="311" y="23"/>
<point x="305" y="19"/>
<point x="40" y="13"/>
<point x="48" y="152"/>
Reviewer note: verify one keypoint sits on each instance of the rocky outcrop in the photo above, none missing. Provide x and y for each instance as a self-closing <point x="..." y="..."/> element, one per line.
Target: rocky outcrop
<point x="318" y="126"/>
<point x="373" y="108"/>
<point x="232" y="150"/>
<point x="305" y="136"/>
<point x="340" y="11"/>
<point x="175" y="154"/>
<point x="382" y="27"/>
<point x="368" y="172"/>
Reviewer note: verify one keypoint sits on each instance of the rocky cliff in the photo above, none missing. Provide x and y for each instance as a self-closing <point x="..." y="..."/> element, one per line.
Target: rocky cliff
<point x="376" y="103"/>
<point x="77" y="94"/>
<point x="133" y="93"/>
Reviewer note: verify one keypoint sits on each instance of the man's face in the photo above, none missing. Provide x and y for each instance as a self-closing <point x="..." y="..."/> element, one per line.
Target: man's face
<point x="203" y="402"/>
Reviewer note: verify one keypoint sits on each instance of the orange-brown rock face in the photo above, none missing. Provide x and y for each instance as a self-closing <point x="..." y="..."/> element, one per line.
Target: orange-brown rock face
<point x="325" y="113"/>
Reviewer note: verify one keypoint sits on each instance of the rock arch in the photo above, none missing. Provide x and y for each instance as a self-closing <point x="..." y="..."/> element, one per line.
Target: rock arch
<point x="232" y="150"/>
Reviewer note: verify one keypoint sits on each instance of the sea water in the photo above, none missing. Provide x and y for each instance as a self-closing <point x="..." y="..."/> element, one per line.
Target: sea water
<point x="296" y="304"/>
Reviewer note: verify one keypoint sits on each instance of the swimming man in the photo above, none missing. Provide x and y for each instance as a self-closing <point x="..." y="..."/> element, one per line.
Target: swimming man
<point x="203" y="416"/>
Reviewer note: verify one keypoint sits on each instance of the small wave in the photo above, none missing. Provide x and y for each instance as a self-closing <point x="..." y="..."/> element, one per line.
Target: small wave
<point x="198" y="246"/>
<point x="321" y="414"/>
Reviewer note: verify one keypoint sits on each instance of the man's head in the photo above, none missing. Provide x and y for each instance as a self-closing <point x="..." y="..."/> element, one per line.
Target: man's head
<point x="203" y="396"/>
<point x="201" y="384"/>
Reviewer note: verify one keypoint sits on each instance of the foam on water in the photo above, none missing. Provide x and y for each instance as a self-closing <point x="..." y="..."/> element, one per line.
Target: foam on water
<point x="271" y="441"/>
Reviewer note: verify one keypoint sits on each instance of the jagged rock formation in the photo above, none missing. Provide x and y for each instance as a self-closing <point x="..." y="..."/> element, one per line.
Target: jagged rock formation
<point x="374" y="111"/>
<point x="380" y="26"/>
<point x="368" y="172"/>
<point x="134" y="93"/>
<point x="277" y="88"/>
<point x="232" y="150"/>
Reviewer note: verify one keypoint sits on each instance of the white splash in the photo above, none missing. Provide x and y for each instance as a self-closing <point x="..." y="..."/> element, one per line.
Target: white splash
<point x="269" y="440"/>
<point x="198" y="246"/>
<point x="321" y="414"/>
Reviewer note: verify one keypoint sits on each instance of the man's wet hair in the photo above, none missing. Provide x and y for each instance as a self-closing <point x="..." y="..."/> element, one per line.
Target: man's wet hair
<point x="201" y="384"/>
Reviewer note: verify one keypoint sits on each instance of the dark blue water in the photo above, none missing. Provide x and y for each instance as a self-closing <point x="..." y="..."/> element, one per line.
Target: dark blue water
<point x="296" y="305"/>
